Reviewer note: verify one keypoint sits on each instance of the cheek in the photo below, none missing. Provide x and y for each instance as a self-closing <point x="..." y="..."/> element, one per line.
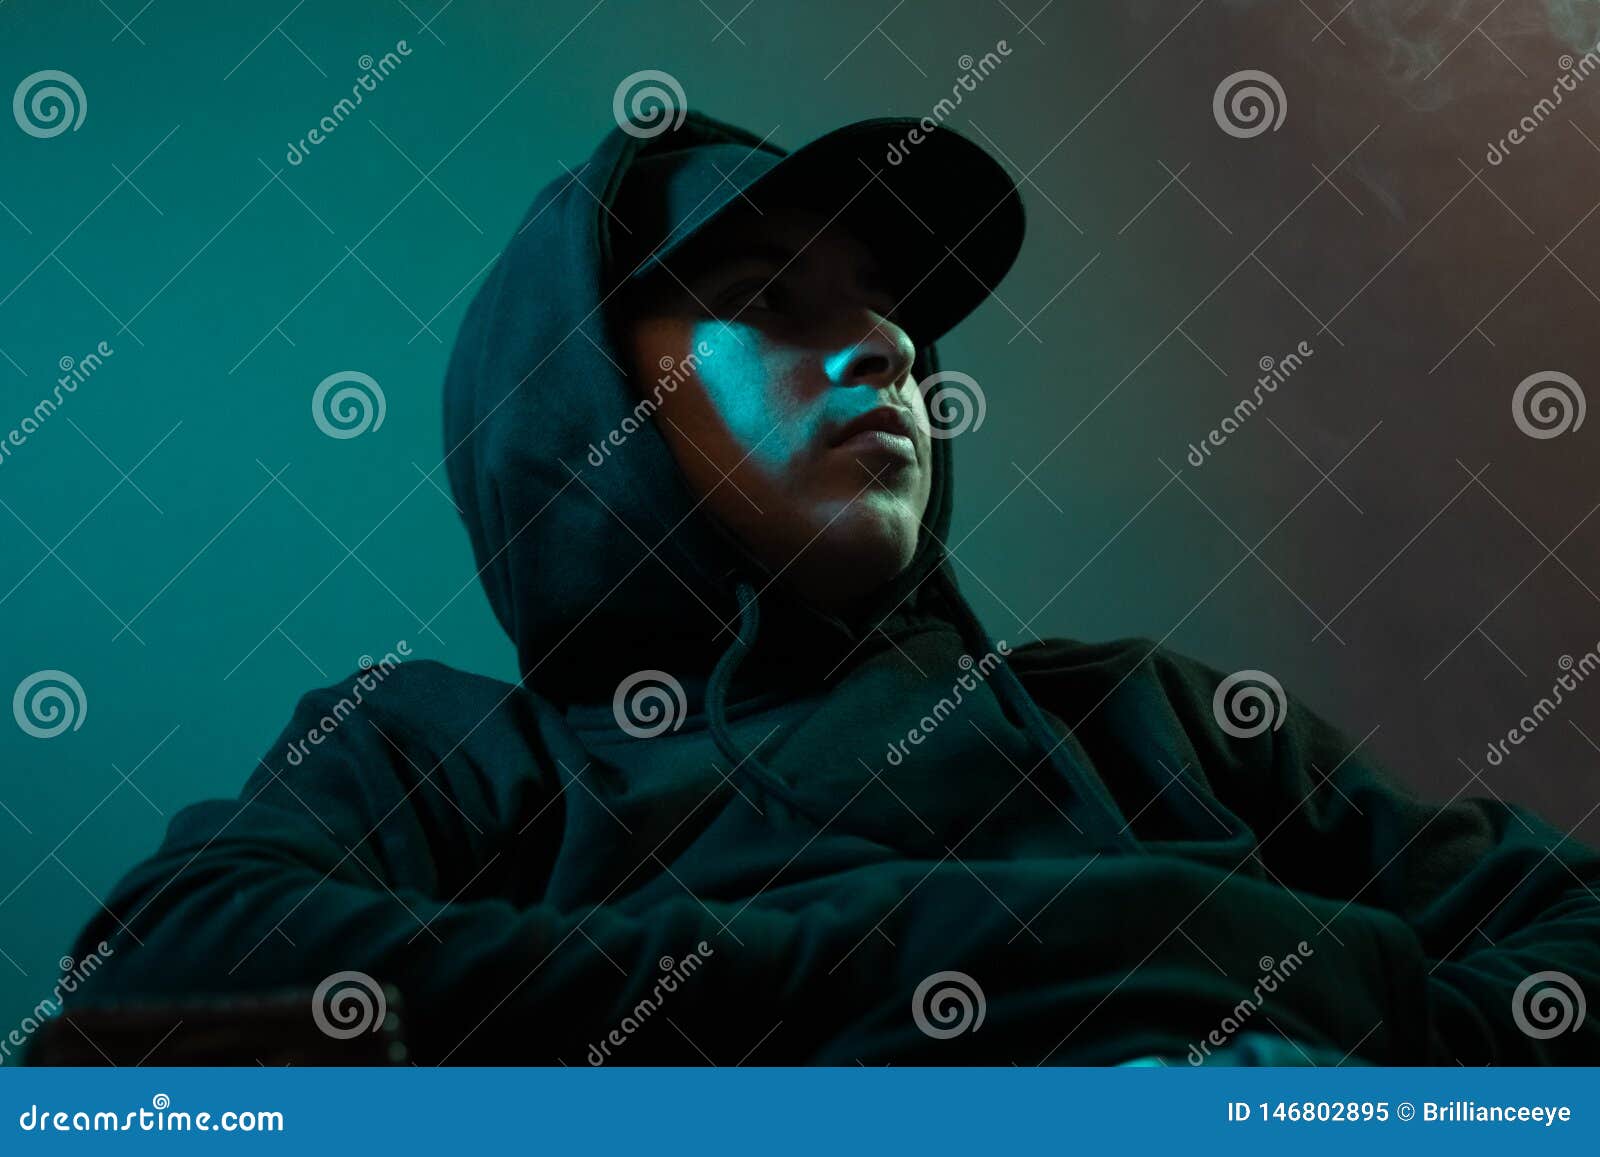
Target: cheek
<point x="753" y="390"/>
<point x="667" y="355"/>
<point x="660" y="350"/>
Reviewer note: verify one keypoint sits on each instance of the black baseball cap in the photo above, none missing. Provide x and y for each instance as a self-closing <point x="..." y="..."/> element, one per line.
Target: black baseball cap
<point x="943" y="217"/>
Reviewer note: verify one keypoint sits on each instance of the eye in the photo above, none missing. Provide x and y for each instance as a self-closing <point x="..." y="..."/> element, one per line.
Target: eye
<point x="759" y="293"/>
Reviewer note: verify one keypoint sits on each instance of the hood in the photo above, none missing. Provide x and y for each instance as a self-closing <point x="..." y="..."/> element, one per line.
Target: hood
<point x="600" y="571"/>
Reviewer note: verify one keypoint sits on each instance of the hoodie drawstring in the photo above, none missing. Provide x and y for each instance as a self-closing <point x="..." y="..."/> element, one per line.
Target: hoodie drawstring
<point x="745" y="763"/>
<point x="1096" y="812"/>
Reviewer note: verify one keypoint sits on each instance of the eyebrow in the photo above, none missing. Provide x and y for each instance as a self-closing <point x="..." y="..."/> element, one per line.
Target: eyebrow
<point x="757" y="251"/>
<point x="870" y="273"/>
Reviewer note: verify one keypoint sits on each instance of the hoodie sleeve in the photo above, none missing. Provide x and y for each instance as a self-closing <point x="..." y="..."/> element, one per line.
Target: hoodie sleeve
<point x="424" y="873"/>
<point x="1505" y="908"/>
<point x="427" y="871"/>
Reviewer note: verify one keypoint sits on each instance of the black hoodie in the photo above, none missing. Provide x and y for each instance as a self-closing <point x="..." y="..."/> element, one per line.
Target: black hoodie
<point x="836" y="810"/>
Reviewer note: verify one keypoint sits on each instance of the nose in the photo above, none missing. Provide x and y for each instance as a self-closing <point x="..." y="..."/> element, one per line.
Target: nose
<point x="880" y="359"/>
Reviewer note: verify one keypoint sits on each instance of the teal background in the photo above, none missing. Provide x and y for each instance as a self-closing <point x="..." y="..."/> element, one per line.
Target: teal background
<point x="184" y="541"/>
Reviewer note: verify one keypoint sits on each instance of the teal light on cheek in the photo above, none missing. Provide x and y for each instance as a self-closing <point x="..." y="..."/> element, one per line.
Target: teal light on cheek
<point x="739" y="383"/>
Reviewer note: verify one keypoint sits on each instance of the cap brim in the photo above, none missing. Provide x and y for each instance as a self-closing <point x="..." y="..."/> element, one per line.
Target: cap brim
<point x="944" y="218"/>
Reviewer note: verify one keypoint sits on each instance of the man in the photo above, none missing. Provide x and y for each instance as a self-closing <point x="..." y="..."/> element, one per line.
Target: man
<point x="764" y="776"/>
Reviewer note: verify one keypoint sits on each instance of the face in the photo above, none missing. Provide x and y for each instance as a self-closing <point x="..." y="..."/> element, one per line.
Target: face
<point x="788" y="400"/>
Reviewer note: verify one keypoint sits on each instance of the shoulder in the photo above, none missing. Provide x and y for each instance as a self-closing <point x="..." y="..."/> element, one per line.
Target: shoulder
<point x="1138" y="685"/>
<point x="359" y="751"/>
<point x="417" y="705"/>
<point x="1119" y="660"/>
<point x="393" y="685"/>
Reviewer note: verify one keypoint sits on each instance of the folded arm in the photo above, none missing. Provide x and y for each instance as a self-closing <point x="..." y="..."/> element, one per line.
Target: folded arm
<point x="1505" y="908"/>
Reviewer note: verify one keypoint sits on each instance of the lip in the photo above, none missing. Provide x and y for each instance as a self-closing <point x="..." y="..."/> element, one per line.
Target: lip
<point x="883" y="431"/>
<point x="880" y="420"/>
<point x="873" y="443"/>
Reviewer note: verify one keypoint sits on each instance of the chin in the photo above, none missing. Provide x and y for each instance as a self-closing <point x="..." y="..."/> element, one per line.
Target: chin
<point x="866" y="545"/>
